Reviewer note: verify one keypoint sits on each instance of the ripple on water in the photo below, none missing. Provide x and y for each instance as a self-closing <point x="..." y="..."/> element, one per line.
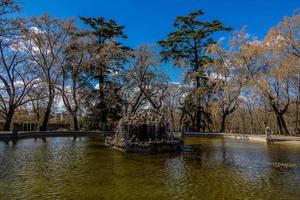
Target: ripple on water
<point x="213" y="169"/>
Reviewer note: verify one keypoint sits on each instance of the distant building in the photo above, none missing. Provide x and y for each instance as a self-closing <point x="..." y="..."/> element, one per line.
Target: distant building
<point x="59" y="121"/>
<point x="24" y="120"/>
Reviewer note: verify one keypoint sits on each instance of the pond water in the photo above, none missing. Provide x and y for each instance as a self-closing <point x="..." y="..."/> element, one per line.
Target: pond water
<point x="61" y="168"/>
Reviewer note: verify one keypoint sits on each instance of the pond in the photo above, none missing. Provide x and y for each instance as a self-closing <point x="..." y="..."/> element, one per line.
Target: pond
<point x="61" y="168"/>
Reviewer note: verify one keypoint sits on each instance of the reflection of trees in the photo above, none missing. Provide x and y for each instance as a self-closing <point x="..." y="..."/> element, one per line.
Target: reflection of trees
<point x="177" y="181"/>
<point x="231" y="166"/>
<point x="206" y="149"/>
<point x="280" y="178"/>
<point x="217" y="169"/>
<point x="54" y="168"/>
<point x="124" y="176"/>
<point x="39" y="169"/>
<point x="23" y="169"/>
<point x="197" y="174"/>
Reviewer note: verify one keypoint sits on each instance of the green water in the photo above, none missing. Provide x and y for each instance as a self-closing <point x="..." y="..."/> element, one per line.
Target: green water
<point x="85" y="169"/>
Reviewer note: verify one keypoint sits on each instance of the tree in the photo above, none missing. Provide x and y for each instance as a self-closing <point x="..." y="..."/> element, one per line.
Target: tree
<point x="226" y="79"/>
<point x="146" y="86"/>
<point x="45" y="39"/>
<point x="72" y="85"/>
<point x="7" y="7"/>
<point x="285" y="37"/>
<point x="269" y="70"/>
<point x="16" y="79"/>
<point x="172" y="105"/>
<point x="186" y="47"/>
<point x="251" y="100"/>
<point x="38" y="100"/>
<point x="107" y="67"/>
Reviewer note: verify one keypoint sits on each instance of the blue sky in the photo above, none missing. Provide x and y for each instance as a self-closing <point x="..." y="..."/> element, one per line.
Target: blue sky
<point x="148" y="21"/>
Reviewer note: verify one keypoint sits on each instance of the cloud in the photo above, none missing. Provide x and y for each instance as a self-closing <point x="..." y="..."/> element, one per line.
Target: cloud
<point x="221" y="39"/>
<point x="24" y="44"/>
<point x="216" y="76"/>
<point x="36" y="30"/>
<point x="175" y="83"/>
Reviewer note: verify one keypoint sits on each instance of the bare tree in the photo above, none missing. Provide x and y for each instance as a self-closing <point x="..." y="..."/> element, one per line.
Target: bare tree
<point x="7" y="7"/>
<point x="285" y="37"/>
<point x="73" y="80"/>
<point x="172" y="105"/>
<point x="270" y="71"/>
<point x="226" y="80"/>
<point x="16" y="78"/>
<point x="45" y="39"/>
<point x="38" y="100"/>
<point x="146" y="85"/>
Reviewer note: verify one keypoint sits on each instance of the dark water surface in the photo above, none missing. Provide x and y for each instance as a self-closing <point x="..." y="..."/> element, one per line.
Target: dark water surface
<point x="210" y="169"/>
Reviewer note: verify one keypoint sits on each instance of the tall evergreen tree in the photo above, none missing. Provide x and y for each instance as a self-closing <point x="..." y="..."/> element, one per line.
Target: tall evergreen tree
<point x="110" y="55"/>
<point x="186" y="47"/>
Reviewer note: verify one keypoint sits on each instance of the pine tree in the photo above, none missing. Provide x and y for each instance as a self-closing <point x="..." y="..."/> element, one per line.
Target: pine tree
<point x="186" y="47"/>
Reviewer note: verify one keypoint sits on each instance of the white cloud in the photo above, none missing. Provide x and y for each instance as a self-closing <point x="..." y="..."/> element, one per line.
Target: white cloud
<point x="23" y="43"/>
<point x="36" y="30"/>
<point x="216" y="76"/>
<point x="175" y="83"/>
<point x="221" y="39"/>
<point x="274" y="41"/>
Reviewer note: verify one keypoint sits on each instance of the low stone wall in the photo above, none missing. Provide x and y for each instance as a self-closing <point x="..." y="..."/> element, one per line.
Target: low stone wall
<point x="45" y="134"/>
<point x="247" y="137"/>
<point x="244" y="137"/>
<point x="258" y="138"/>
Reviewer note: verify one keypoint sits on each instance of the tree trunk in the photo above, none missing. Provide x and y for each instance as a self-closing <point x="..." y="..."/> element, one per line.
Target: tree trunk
<point x="181" y="122"/>
<point x="8" y="118"/>
<point x="197" y="119"/>
<point x="251" y="122"/>
<point x="44" y="125"/>
<point x="194" y="126"/>
<point x="281" y="124"/>
<point x="243" y="123"/>
<point x="297" y="116"/>
<point x="75" y="121"/>
<point x="297" y="110"/>
<point x="102" y="104"/>
<point x="284" y="127"/>
<point x="223" y="121"/>
<point x="172" y="120"/>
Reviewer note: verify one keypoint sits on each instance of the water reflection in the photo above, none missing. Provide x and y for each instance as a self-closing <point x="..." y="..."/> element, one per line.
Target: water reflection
<point x="61" y="168"/>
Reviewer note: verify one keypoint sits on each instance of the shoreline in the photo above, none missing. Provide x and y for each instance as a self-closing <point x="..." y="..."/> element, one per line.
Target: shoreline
<point x="48" y="134"/>
<point x="247" y="137"/>
<point x="276" y="139"/>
